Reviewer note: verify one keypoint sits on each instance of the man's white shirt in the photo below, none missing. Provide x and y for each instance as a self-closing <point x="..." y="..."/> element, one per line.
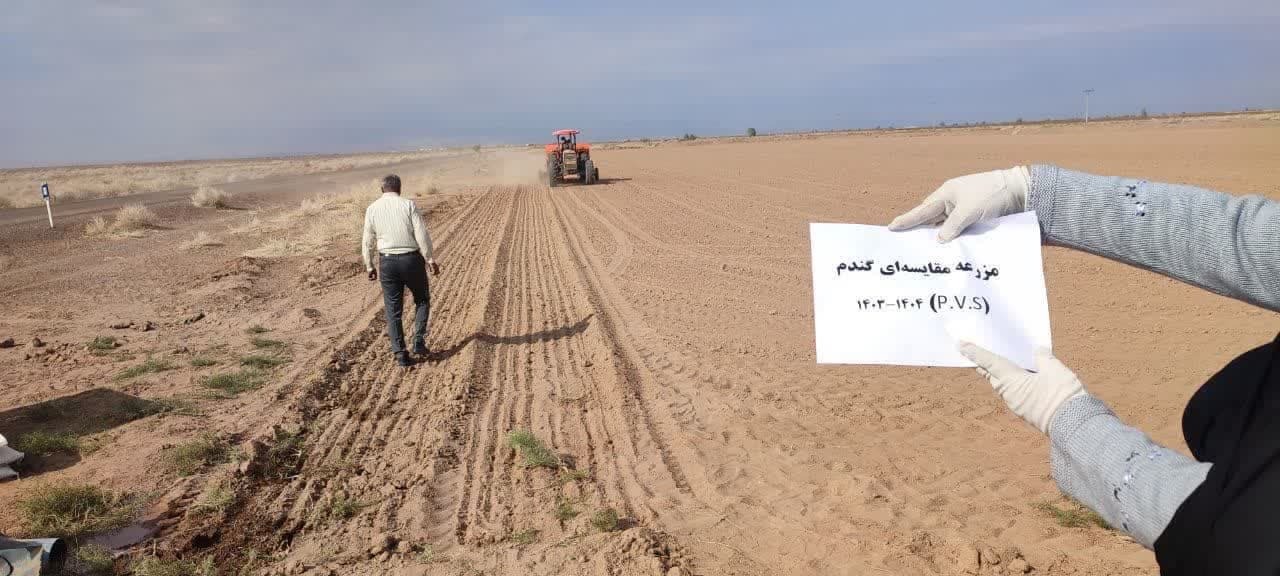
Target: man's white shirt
<point x="397" y="227"/>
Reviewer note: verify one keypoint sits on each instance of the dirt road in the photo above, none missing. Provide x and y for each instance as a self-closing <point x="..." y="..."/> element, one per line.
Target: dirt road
<point x="656" y="333"/>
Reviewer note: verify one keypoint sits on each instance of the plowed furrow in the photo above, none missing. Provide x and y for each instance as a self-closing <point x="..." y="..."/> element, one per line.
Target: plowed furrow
<point x="482" y="390"/>
<point x="381" y="421"/>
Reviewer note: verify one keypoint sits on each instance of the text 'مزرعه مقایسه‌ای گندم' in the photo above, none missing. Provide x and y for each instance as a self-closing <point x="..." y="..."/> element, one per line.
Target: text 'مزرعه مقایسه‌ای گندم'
<point x="982" y="273"/>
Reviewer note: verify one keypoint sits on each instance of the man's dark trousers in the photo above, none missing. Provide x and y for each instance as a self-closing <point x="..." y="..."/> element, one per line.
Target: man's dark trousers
<point x="397" y="272"/>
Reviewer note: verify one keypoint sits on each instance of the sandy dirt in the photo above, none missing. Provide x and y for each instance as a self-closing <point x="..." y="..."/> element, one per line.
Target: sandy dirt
<point x="655" y="331"/>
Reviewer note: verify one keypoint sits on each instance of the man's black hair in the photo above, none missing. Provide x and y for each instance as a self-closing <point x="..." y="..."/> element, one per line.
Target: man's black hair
<point x="391" y="183"/>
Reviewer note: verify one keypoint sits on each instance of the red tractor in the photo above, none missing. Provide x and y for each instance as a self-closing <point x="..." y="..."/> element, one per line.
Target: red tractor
<point x="568" y="157"/>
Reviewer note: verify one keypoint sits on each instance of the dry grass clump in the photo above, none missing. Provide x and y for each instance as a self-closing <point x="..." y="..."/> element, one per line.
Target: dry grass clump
<point x="134" y="217"/>
<point x="253" y="226"/>
<point x="97" y="227"/>
<point x="130" y="220"/>
<point x="209" y="197"/>
<point x="313" y="206"/>
<point x="103" y="344"/>
<point x="201" y="240"/>
<point x="260" y="342"/>
<point x="70" y="510"/>
<point x="524" y="537"/>
<point x="318" y="222"/>
<point x="230" y="384"/>
<point x="92" y="560"/>
<point x="194" y="455"/>
<point x="262" y="362"/>
<point x="42" y="443"/>
<point x="535" y="453"/>
<point x="1072" y="515"/>
<point x="218" y="496"/>
<point x="341" y="508"/>
<point x="274" y="248"/>
<point x="605" y="520"/>
<point x="565" y="511"/>
<point x="155" y="566"/>
<point x="150" y="366"/>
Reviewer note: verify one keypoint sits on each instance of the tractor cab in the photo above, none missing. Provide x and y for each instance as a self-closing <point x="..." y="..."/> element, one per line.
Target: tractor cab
<point x="568" y="157"/>
<point x="565" y="140"/>
<point x="569" y="140"/>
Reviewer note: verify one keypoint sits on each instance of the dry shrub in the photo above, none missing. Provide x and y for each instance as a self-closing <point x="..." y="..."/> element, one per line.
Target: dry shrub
<point x="317" y="223"/>
<point x="134" y="217"/>
<point x="97" y="227"/>
<point x="201" y="240"/>
<point x="274" y="248"/>
<point x="210" y="197"/>
<point x="253" y="226"/>
<point x="313" y="206"/>
<point x="130" y="220"/>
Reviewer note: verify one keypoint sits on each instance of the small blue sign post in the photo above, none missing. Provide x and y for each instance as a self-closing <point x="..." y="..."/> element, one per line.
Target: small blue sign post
<point x="44" y="193"/>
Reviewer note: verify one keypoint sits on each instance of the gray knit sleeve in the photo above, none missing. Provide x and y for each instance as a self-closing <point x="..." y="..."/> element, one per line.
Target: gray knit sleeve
<point x="1226" y="244"/>
<point x="1135" y="484"/>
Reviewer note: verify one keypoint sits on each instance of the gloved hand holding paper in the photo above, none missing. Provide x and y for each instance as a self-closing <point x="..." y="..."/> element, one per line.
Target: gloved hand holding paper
<point x="883" y="297"/>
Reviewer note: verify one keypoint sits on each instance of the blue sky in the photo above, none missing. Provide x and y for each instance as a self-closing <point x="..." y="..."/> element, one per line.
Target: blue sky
<point x="169" y="79"/>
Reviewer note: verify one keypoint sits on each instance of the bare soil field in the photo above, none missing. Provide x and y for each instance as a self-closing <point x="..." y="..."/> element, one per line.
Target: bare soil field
<point x="647" y="340"/>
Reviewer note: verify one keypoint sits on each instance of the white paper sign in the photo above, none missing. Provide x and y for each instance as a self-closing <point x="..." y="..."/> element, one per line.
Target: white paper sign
<point x="902" y="298"/>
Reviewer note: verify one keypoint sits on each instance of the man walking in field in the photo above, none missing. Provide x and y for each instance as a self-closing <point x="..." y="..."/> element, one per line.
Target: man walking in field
<point x="404" y="246"/>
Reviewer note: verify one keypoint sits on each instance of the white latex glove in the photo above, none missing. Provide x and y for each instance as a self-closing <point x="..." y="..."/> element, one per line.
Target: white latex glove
<point x="1035" y="396"/>
<point x="966" y="200"/>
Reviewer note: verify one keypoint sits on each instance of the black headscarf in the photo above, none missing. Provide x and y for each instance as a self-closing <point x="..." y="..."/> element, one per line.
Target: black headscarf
<point x="1230" y="524"/>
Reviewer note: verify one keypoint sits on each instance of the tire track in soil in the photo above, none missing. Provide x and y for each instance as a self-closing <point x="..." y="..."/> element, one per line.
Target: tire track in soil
<point x="482" y="449"/>
<point x="636" y="406"/>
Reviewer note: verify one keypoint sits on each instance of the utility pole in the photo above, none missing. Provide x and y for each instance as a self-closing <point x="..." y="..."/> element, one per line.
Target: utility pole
<point x="1087" y="92"/>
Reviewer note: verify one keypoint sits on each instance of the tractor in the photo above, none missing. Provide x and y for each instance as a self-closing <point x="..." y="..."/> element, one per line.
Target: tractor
<point x="568" y="157"/>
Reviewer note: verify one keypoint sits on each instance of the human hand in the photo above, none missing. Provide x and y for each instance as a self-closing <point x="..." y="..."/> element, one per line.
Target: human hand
<point x="1035" y="396"/>
<point x="963" y="201"/>
<point x="373" y="274"/>
<point x="435" y="268"/>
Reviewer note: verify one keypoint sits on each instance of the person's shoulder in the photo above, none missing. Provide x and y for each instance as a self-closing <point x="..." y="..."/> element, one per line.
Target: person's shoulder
<point x="408" y="203"/>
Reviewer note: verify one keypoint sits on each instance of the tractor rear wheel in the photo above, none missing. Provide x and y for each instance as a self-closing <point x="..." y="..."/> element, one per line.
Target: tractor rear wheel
<point x="553" y="172"/>
<point x="589" y="172"/>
